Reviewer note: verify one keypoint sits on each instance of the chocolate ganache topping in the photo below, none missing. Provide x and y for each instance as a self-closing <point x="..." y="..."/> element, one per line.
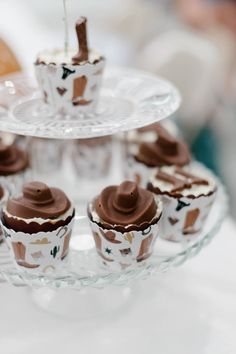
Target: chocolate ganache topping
<point x="167" y="150"/>
<point x="39" y="201"/>
<point x="12" y="160"/>
<point x="126" y="204"/>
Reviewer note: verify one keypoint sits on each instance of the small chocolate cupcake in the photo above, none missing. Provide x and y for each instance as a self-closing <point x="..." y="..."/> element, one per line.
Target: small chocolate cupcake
<point x="187" y="197"/>
<point x="92" y="157"/>
<point x="166" y="150"/>
<point x="70" y="81"/>
<point x="14" y="166"/>
<point x="125" y="223"/>
<point x="38" y="226"/>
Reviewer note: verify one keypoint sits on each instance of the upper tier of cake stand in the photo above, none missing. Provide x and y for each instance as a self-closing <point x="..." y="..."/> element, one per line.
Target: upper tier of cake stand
<point x="83" y="269"/>
<point x="129" y="99"/>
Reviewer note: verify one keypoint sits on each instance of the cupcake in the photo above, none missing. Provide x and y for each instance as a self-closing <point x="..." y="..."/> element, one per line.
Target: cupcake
<point x="156" y="148"/>
<point x="187" y="197"/>
<point x="70" y="82"/>
<point x="124" y="221"/>
<point x="14" y="166"/>
<point x="92" y="157"/>
<point x="38" y="226"/>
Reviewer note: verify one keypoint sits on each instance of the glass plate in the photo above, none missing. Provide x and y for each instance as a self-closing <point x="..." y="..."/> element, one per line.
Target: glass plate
<point x="83" y="269"/>
<point x="129" y="99"/>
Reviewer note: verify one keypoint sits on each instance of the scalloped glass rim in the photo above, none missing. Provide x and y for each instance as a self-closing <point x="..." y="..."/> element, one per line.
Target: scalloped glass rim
<point x="129" y="99"/>
<point x="156" y="263"/>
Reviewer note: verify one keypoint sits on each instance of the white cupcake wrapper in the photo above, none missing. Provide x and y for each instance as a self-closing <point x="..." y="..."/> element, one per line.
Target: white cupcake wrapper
<point x="125" y="250"/>
<point x="58" y="83"/>
<point x="41" y="252"/>
<point x="183" y="218"/>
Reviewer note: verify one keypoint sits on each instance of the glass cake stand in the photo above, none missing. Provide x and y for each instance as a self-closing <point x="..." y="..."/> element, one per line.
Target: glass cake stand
<point x="129" y="99"/>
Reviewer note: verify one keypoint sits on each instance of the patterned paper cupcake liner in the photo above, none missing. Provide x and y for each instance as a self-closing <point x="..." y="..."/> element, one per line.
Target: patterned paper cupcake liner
<point x="183" y="218"/>
<point x="41" y="252"/>
<point x="70" y="88"/>
<point x="124" y="250"/>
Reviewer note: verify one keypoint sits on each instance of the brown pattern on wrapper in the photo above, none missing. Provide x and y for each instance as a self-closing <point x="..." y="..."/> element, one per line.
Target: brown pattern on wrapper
<point x="45" y="96"/>
<point x="19" y="252"/>
<point x="144" y="248"/>
<point x="79" y="85"/>
<point x="65" y="249"/>
<point x="125" y="252"/>
<point x="129" y="236"/>
<point x="173" y="221"/>
<point x="61" y="90"/>
<point x="110" y="236"/>
<point x="190" y="220"/>
<point x="37" y="255"/>
<point x="98" y="244"/>
<point x="81" y="102"/>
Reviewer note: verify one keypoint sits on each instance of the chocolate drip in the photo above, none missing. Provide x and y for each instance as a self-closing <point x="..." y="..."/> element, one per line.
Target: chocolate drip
<point x="12" y="160"/>
<point x="126" y="204"/>
<point x="167" y="150"/>
<point x="81" y="32"/>
<point x="178" y="183"/>
<point x="39" y="201"/>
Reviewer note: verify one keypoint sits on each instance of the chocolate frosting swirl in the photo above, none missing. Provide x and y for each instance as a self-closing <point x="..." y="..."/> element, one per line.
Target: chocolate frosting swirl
<point x="12" y="160"/>
<point x="167" y="150"/>
<point x="39" y="201"/>
<point x="126" y="204"/>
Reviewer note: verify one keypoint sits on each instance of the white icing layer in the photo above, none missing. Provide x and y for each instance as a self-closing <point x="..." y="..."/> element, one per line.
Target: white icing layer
<point x="41" y="221"/>
<point x="58" y="56"/>
<point x="195" y="189"/>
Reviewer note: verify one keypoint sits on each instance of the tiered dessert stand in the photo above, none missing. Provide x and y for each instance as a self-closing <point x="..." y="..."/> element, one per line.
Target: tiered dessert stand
<point x="129" y="99"/>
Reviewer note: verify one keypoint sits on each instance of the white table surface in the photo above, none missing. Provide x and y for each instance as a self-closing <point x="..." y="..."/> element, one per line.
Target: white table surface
<point x="191" y="309"/>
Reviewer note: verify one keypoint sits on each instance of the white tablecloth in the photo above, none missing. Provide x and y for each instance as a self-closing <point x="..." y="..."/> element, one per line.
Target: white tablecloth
<point x="190" y="310"/>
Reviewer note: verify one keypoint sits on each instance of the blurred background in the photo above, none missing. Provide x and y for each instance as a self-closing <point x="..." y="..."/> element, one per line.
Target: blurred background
<point x="190" y="42"/>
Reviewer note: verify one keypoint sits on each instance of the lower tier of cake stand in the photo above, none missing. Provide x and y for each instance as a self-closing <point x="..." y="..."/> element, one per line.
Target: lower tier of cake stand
<point x="83" y="268"/>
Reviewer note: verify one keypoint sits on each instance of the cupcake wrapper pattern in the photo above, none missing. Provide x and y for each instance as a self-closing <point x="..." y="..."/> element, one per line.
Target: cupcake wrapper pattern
<point x="68" y="87"/>
<point x="119" y="251"/>
<point x="40" y="252"/>
<point x="183" y="218"/>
